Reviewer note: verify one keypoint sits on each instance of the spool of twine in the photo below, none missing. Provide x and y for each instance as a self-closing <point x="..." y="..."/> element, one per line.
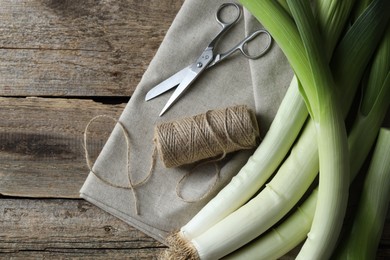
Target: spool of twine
<point x="208" y="135"/>
<point x="188" y="140"/>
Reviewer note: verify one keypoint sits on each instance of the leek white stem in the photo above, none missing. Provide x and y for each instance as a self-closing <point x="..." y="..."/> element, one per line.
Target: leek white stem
<point x="280" y="240"/>
<point x="271" y="204"/>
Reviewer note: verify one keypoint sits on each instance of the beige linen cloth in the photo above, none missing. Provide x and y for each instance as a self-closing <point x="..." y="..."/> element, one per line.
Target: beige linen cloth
<point x="260" y="84"/>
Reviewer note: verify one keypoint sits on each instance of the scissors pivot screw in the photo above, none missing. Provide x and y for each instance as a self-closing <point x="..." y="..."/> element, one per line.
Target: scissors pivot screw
<point x="199" y="65"/>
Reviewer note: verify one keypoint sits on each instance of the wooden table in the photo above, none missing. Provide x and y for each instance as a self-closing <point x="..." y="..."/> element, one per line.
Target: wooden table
<point x="62" y="63"/>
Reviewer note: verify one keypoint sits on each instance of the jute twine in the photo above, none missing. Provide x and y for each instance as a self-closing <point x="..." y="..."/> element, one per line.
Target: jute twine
<point x="209" y="135"/>
<point x="130" y="185"/>
<point x="189" y="140"/>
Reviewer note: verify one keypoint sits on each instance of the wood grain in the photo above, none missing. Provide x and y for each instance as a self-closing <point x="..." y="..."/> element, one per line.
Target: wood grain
<point x="57" y="228"/>
<point x="41" y="144"/>
<point x="79" y="48"/>
<point x="84" y="58"/>
<point x="62" y="228"/>
<point x="91" y="50"/>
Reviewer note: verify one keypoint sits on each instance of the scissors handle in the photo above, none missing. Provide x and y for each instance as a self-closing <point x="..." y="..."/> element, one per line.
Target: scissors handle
<point x="225" y="24"/>
<point x="242" y="46"/>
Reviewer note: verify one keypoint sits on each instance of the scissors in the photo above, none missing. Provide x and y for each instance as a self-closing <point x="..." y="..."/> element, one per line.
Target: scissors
<point x="185" y="77"/>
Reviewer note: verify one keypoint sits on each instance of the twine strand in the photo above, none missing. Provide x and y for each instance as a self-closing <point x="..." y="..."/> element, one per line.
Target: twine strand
<point x="204" y="138"/>
<point x="130" y="186"/>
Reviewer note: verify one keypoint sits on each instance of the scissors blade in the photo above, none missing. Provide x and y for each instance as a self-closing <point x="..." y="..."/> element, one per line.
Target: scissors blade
<point x="192" y="73"/>
<point x="167" y="84"/>
<point x="186" y="82"/>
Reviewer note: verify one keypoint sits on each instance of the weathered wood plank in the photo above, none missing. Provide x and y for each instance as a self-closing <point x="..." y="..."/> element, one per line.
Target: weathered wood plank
<point x="58" y="228"/>
<point x="68" y="229"/>
<point x="79" y="48"/>
<point x="41" y="144"/>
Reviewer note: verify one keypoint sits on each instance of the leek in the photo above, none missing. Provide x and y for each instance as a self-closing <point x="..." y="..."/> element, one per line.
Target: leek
<point x="375" y="103"/>
<point x="294" y="229"/>
<point x="325" y="110"/>
<point x="363" y="239"/>
<point x="337" y="225"/>
<point x="360" y="7"/>
<point x="270" y="187"/>
<point x="362" y="136"/>
<point x="280" y="240"/>
<point x="331" y="16"/>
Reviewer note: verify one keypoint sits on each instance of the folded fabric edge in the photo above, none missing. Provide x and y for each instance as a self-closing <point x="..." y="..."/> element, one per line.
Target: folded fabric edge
<point x="146" y="229"/>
